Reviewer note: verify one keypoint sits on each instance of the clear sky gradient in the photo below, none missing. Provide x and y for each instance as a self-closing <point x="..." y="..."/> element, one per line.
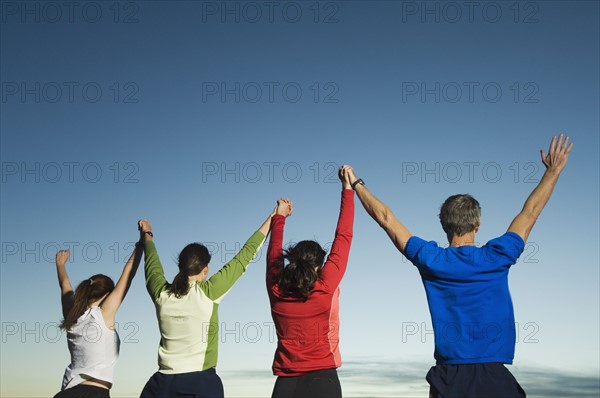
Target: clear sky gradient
<point x="199" y="115"/>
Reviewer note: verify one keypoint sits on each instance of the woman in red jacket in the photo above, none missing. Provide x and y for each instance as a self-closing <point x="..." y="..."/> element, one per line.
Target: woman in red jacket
<point x="304" y="293"/>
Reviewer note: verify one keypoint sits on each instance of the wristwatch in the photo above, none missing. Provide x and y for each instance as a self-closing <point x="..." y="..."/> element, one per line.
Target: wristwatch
<point x="359" y="181"/>
<point x="149" y="233"/>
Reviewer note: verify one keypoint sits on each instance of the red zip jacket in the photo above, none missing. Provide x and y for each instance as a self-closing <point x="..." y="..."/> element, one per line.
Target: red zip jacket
<point x="308" y="331"/>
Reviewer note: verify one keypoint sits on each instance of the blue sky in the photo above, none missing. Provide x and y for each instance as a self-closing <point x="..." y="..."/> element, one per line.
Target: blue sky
<point x="199" y="115"/>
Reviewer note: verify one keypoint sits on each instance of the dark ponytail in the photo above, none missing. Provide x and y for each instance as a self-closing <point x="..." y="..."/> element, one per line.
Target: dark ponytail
<point x="87" y="292"/>
<point x="192" y="260"/>
<point x="305" y="260"/>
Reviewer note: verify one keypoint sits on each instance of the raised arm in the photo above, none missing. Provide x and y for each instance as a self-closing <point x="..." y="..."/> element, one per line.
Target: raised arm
<point x="265" y="228"/>
<point x="153" y="270"/>
<point x="382" y="214"/>
<point x="555" y="161"/>
<point x="283" y="209"/>
<point x="66" y="290"/>
<point x="219" y="284"/>
<point x="111" y="303"/>
<point x="337" y="260"/>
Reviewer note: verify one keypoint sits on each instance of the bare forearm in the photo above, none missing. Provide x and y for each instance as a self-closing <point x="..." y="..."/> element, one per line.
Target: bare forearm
<point x="555" y="161"/>
<point x="526" y="219"/>
<point x="115" y="298"/>
<point x="538" y="198"/>
<point x="266" y="226"/>
<point x="379" y="211"/>
<point x="63" y="278"/>
<point x="130" y="269"/>
<point x="374" y="207"/>
<point x="132" y="264"/>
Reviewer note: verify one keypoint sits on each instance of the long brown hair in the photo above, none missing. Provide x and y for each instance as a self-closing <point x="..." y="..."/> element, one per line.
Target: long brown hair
<point x="87" y="292"/>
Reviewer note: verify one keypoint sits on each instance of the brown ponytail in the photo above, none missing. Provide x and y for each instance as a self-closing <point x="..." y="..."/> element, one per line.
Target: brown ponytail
<point x="305" y="261"/>
<point x="192" y="260"/>
<point x="87" y="292"/>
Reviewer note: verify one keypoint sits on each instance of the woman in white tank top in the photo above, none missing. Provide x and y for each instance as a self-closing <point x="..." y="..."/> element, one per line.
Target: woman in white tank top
<point x="89" y="319"/>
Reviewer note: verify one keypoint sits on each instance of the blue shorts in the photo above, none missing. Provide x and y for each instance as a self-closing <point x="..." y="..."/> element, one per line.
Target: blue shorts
<point x="204" y="384"/>
<point x="490" y="380"/>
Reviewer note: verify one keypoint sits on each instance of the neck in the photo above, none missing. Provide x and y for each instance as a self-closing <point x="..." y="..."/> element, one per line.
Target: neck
<point x="467" y="239"/>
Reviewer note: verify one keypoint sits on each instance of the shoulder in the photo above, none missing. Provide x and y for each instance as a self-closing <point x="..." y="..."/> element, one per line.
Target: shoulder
<point x="415" y="244"/>
<point x="507" y="240"/>
<point x="103" y="318"/>
<point x="509" y="245"/>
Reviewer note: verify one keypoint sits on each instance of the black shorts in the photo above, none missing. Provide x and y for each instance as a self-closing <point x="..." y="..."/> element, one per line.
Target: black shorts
<point x="320" y="383"/>
<point x="204" y="384"/>
<point x="84" y="391"/>
<point x="490" y="380"/>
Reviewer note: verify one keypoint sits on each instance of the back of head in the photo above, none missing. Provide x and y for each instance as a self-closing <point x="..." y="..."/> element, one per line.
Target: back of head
<point x="305" y="260"/>
<point x="88" y="291"/>
<point x="192" y="260"/>
<point x="460" y="214"/>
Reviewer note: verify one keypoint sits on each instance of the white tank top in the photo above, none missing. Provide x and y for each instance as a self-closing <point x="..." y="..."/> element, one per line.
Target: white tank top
<point x="94" y="350"/>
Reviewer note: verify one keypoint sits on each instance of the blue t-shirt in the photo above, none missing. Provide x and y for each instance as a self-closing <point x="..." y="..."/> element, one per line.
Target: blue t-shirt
<point x="468" y="297"/>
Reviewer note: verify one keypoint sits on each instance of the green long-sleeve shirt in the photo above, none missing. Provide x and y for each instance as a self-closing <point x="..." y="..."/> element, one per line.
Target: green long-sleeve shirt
<point x="189" y="326"/>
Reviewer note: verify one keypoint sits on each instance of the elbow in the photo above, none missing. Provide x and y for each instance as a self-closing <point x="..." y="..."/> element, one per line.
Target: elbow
<point x="531" y="214"/>
<point x="383" y="218"/>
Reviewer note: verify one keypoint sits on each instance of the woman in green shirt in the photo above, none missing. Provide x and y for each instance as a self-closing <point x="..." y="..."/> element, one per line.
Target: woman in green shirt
<point x="187" y="311"/>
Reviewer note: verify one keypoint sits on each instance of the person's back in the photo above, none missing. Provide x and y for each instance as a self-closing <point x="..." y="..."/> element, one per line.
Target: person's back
<point x="307" y="328"/>
<point x="468" y="297"/>
<point x="467" y="287"/>
<point x="89" y="320"/>
<point x="94" y="349"/>
<point x="188" y="330"/>
<point x="187" y="313"/>
<point x="304" y="291"/>
<point x="188" y="323"/>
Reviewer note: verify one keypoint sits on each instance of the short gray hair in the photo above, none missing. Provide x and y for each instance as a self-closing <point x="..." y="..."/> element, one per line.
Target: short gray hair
<point x="460" y="214"/>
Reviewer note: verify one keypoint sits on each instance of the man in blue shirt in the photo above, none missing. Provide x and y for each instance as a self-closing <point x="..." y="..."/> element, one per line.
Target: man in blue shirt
<point x="467" y="286"/>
